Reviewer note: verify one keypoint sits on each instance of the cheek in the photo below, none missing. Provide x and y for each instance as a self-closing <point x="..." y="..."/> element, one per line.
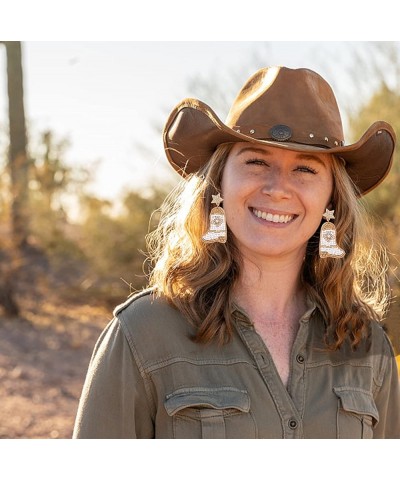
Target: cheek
<point x="317" y="203"/>
<point x="231" y="192"/>
<point x="321" y="194"/>
<point x="236" y="184"/>
<point x="235" y="195"/>
<point x="229" y="188"/>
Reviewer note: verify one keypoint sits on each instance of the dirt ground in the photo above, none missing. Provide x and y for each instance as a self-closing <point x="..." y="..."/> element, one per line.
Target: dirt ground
<point x="43" y="361"/>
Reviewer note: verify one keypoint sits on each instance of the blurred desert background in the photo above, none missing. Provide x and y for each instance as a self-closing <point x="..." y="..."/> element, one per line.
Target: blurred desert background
<point x="83" y="174"/>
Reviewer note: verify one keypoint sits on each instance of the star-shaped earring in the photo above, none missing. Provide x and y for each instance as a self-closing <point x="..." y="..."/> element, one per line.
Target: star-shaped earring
<point x="217" y="199"/>
<point x="328" y="215"/>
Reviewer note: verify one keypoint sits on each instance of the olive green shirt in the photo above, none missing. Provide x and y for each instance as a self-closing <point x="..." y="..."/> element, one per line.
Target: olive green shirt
<point x="148" y="379"/>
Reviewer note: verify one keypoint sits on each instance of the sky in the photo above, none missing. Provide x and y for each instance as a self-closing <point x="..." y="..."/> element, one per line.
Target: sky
<point x="110" y="97"/>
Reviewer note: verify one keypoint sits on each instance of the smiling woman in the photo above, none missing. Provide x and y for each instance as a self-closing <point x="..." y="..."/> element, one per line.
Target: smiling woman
<point x="261" y="319"/>
<point x="278" y="183"/>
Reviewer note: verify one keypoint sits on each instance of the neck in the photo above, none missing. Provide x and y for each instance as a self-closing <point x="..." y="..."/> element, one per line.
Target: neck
<point x="272" y="288"/>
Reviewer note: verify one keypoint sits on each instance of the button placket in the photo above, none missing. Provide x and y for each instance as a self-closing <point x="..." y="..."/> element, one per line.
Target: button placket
<point x="283" y="401"/>
<point x="297" y="380"/>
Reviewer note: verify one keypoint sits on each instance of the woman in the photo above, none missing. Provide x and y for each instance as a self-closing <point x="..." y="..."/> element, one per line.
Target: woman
<point x="262" y="320"/>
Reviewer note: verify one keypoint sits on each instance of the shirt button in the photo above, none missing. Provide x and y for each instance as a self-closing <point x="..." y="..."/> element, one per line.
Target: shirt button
<point x="292" y="424"/>
<point x="300" y="358"/>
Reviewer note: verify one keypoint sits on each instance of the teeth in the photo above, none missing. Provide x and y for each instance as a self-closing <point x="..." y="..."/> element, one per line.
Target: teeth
<point x="273" y="218"/>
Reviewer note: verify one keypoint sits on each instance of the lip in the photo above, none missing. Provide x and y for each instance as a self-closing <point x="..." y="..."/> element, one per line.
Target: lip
<point x="272" y="216"/>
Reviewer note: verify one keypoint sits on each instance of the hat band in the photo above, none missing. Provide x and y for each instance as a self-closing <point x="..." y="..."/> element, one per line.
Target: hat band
<point x="282" y="133"/>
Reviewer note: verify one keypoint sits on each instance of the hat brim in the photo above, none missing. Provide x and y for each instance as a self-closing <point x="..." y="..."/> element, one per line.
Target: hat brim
<point x="193" y="131"/>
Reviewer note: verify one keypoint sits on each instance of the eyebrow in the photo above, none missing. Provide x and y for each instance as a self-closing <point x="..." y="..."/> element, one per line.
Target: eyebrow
<point x="300" y="155"/>
<point x="312" y="157"/>
<point x="255" y="150"/>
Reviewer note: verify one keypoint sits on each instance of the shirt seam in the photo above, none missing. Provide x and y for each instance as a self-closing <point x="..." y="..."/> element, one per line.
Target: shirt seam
<point x="150" y="368"/>
<point x="385" y="361"/>
<point x="136" y="356"/>
<point x="352" y="363"/>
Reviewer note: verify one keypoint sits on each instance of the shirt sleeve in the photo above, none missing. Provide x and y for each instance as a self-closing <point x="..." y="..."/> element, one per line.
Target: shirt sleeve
<point x="388" y="400"/>
<point x="114" y="401"/>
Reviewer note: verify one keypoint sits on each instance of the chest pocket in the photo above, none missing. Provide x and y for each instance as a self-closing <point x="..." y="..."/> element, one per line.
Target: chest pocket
<point x="222" y="412"/>
<point x="357" y="413"/>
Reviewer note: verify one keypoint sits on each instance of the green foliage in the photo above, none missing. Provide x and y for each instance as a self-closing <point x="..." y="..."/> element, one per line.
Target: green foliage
<point x="114" y="242"/>
<point x="99" y="255"/>
<point x="384" y="104"/>
<point x="51" y="183"/>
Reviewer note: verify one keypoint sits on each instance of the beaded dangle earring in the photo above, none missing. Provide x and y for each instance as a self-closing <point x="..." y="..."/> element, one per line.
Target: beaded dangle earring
<point x="217" y="229"/>
<point x="327" y="241"/>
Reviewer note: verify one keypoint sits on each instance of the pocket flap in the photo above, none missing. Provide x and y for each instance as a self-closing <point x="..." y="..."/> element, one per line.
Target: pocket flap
<point x="357" y="401"/>
<point x="219" y="398"/>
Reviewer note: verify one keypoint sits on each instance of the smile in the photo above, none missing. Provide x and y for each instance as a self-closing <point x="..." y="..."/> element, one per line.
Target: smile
<point x="275" y="218"/>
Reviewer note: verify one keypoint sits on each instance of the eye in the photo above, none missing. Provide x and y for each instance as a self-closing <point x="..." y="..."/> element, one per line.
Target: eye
<point x="306" y="169"/>
<point x="256" y="161"/>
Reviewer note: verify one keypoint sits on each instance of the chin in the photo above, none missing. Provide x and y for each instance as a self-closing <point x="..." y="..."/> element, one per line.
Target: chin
<point x="272" y="252"/>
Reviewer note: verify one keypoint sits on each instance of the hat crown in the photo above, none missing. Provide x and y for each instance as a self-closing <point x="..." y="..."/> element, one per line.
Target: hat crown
<point x="285" y="108"/>
<point x="299" y="99"/>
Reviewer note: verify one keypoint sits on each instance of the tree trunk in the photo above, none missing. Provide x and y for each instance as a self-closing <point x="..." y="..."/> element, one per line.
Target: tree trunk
<point x="18" y="161"/>
<point x="18" y="170"/>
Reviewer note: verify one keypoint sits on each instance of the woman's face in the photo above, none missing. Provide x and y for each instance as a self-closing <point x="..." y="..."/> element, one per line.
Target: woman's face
<point x="274" y="199"/>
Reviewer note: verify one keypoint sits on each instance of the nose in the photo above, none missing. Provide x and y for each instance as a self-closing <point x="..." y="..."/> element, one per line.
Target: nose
<point x="277" y="185"/>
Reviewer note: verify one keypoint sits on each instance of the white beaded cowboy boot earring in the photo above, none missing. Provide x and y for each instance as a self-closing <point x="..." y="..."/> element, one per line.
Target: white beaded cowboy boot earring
<point x="327" y="240"/>
<point x="217" y="229"/>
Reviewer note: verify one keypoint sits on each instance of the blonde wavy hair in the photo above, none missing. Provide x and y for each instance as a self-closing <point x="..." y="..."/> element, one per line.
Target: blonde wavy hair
<point x="197" y="277"/>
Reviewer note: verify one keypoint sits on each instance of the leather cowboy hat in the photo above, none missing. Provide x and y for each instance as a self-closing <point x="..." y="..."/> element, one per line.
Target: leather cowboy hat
<point x="287" y="108"/>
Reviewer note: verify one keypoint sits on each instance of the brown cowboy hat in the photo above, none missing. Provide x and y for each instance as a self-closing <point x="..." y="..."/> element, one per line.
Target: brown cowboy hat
<point x="282" y="107"/>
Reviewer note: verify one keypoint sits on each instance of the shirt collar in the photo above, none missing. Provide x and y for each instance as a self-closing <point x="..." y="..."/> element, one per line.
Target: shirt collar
<point x="242" y="316"/>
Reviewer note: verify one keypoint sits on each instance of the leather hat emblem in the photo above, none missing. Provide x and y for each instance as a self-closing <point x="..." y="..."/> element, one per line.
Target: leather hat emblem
<point x="280" y="132"/>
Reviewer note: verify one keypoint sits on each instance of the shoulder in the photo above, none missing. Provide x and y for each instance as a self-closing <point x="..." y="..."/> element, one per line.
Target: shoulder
<point x="380" y="342"/>
<point x="150" y="323"/>
<point x="134" y="301"/>
<point x="146" y="307"/>
<point x="381" y="351"/>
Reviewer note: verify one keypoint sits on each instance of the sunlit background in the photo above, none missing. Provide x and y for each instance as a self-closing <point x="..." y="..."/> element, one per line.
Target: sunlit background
<point x="111" y="99"/>
<point x="94" y="115"/>
<point x="104" y="103"/>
